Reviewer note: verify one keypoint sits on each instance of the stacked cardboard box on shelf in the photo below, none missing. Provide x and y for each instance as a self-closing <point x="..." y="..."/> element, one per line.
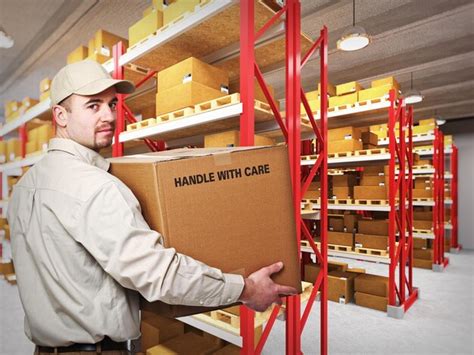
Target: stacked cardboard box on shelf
<point x="347" y="94"/>
<point x="373" y="184"/>
<point x="151" y="21"/>
<point x="12" y="110"/>
<point x="369" y="140"/>
<point x="372" y="234"/>
<point x="314" y="99"/>
<point x="380" y="88"/>
<point x="13" y="150"/>
<point x="78" y="54"/>
<point x="234" y="87"/>
<point x="344" y="139"/>
<point x="44" y="88"/>
<point x="314" y="191"/>
<point x="101" y="45"/>
<point x="342" y="186"/>
<point x="425" y="126"/>
<point x="188" y="83"/>
<point x="26" y="104"/>
<point x="232" y="139"/>
<point x="371" y="291"/>
<point x="38" y="138"/>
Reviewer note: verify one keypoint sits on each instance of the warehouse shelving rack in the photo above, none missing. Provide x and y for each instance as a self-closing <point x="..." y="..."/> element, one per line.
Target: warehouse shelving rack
<point x="402" y="293"/>
<point x="455" y="246"/>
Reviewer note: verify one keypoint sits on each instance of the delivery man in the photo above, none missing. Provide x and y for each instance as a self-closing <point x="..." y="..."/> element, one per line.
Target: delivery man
<point x="81" y="246"/>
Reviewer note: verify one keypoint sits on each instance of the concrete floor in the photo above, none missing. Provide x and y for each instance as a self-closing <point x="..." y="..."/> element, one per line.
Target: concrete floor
<point x="440" y="322"/>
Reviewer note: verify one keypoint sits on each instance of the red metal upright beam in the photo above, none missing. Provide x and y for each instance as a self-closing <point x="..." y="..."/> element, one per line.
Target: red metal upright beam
<point x="392" y="201"/>
<point x="454" y="195"/>
<point x="119" y="74"/>
<point x="410" y="159"/>
<point x="23" y="139"/>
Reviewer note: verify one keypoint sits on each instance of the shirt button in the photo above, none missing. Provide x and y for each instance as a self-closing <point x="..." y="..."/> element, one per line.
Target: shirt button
<point x="229" y="299"/>
<point x="201" y="302"/>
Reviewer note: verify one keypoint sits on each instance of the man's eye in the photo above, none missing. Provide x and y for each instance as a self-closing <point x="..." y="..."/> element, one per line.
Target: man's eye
<point x="113" y="106"/>
<point x="94" y="107"/>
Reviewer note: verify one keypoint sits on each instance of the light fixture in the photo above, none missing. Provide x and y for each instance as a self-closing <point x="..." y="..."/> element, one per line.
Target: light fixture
<point x="413" y="96"/>
<point x="5" y="40"/>
<point x="439" y="120"/>
<point x="355" y="37"/>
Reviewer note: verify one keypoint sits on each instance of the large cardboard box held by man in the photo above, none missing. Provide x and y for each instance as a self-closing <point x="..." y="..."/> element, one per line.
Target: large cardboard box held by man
<point x="230" y="208"/>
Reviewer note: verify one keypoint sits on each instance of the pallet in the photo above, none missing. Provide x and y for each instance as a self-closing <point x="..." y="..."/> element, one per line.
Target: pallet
<point x="375" y="100"/>
<point x="341" y="201"/>
<point x="311" y="201"/>
<point x="217" y="103"/>
<point x="423" y="199"/>
<point x="341" y="107"/>
<point x="175" y="115"/>
<point x="374" y="151"/>
<point x="423" y="167"/>
<point x="141" y="124"/>
<point x="339" y="247"/>
<point x="309" y="157"/>
<point x="371" y="202"/>
<point x="305" y="243"/>
<point x="367" y="251"/>
<point x="423" y="231"/>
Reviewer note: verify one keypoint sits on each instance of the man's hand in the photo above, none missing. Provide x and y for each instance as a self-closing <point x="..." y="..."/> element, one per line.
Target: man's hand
<point x="260" y="291"/>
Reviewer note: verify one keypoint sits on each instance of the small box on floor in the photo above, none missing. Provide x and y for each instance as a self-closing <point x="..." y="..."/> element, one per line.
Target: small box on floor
<point x="188" y="343"/>
<point x="371" y="301"/>
<point x="341" y="286"/>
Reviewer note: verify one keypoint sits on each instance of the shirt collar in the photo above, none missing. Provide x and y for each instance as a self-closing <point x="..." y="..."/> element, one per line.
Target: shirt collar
<point x="85" y="154"/>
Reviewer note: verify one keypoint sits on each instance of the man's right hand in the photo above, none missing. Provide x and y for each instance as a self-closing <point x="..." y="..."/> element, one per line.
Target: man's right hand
<point x="260" y="291"/>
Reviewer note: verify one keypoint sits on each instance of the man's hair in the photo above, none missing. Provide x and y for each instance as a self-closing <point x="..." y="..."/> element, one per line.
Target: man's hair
<point x="66" y="103"/>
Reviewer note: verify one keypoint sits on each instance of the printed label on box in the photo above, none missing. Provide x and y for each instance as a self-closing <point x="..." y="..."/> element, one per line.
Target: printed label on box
<point x="342" y="300"/>
<point x="187" y="78"/>
<point x="104" y="51"/>
<point x="358" y="245"/>
<point x="225" y="89"/>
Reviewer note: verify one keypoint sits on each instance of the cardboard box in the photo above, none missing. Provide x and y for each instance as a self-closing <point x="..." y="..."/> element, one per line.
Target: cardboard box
<point x="99" y="58"/>
<point x="312" y="95"/>
<point x="337" y="266"/>
<point x="370" y="193"/>
<point x="232" y="139"/>
<point x="178" y="8"/>
<point x="424" y="254"/>
<point x="423" y="264"/>
<point x="342" y="146"/>
<point x="157" y="330"/>
<point x="371" y="301"/>
<point x="377" y="92"/>
<point x="428" y="122"/>
<point x="13" y="149"/>
<point x="372" y="284"/>
<point x="11" y="107"/>
<point x="45" y="85"/>
<point x="188" y="343"/>
<point x="422" y="224"/>
<point x="31" y="147"/>
<point x="342" y="192"/>
<point x="184" y="95"/>
<point x="419" y="243"/>
<point x="27" y="103"/>
<point x="423" y="193"/>
<point x="349" y="99"/>
<point x="336" y="224"/>
<point x="104" y="42"/>
<point x="6" y="267"/>
<point x="351" y="222"/>
<point x="229" y="349"/>
<point x="219" y="190"/>
<point x="423" y="183"/>
<point x="3" y="148"/>
<point x="78" y="54"/>
<point x="341" y="286"/>
<point x="340" y="238"/>
<point x="423" y="129"/>
<point x="193" y="70"/>
<point x="381" y="134"/>
<point x="331" y="89"/>
<point x="338" y="134"/>
<point x="373" y="226"/>
<point x="44" y="133"/>
<point x="258" y="92"/>
<point x="312" y="194"/>
<point x="390" y="80"/>
<point x="374" y="170"/>
<point x="314" y="105"/>
<point x="149" y="24"/>
<point x="369" y="241"/>
<point x="346" y="180"/>
<point x="372" y="180"/>
<point x="311" y="272"/>
<point x="44" y="95"/>
<point x="348" y="88"/>
<point x="369" y="138"/>
<point x="369" y="146"/>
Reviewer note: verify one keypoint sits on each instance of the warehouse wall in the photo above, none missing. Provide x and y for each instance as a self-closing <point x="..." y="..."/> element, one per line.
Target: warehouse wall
<point x="463" y="133"/>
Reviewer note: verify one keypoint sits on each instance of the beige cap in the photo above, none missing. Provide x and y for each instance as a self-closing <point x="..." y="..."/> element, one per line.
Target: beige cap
<point x="85" y="78"/>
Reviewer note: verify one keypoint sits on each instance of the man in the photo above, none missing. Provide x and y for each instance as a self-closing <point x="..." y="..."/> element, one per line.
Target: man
<point x="80" y="244"/>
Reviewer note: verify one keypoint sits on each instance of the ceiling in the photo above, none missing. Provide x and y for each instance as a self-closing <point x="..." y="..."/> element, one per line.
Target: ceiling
<point x="433" y="39"/>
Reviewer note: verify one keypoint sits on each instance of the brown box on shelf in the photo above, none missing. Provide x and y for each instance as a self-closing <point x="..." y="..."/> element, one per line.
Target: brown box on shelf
<point x="6" y="267"/>
<point x="156" y="329"/>
<point x="419" y="243"/>
<point x="423" y="183"/>
<point x="369" y="138"/>
<point x="422" y="263"/>
<point x="184" y="95"/>
<point x="338" y="134"/>
<point x="346" y="180"/>
<point x="351" y="221"/>
<point x="424" y="254"/>
<point x="199" y="183"/>
<point x="373" y="226"/>
<point x="342" y="192"/>
<point x="341" y="238"/>
<point x="149" y="24"/>
<point x="347" y="88"/>
<point x="337" y="266"/>
<point x="104" y="42"/>
<point x="370" y="193"/>
<point x="345" y="145"/>
<point x="372" y="284"/>
<point x="311" y="272"/>
<point x="341" y="286"/>
<point x="336" y="224"/>
<point x="258" y="92"/>
<point x="232" y="139"/>
<point x="193" y="70"/>
<point x="422" y="193"/>
<point x="349" y="99"/>
<point x="417" y="224"/>
<point x="368" y="146"/>
<point x="188" y="343"/>
<point x="370" y="241"/>
<point x="371" y="301"/>
<point x="178" y="8"/>
<point x="372" y="180"/>
<point x="373" y="170"/>
<point x="99" y="58"/>
<point x="312" y="194"/>
<point x="78" y="54"/>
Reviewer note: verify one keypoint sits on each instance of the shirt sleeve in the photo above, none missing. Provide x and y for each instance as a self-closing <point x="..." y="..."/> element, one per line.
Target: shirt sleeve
<point x="112" y="229"/>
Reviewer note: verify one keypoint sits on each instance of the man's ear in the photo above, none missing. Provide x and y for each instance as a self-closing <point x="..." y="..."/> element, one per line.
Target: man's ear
<point x="61" y="115"/>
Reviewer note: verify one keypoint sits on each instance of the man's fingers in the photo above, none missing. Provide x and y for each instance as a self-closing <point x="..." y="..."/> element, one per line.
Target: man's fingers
<point x="278" y="301"/>
<point x="286" y="290"/>
<point x="271" y="269"/>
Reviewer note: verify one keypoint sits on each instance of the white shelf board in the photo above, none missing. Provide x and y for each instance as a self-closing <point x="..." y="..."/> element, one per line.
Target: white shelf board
<point x="448" y="226"/>
<point x="429" y="152"/>
<point x="416" y="139"/>
<point x="215" y="115"/>
<point x="211" y="329"/>
<point x="35" y="111"/>
<point x="424" y="235"/>
<point x="352" y="255"/>
<point x="385" y="208"/>
<point x="21" y="163"/>
<point x="385" y="103"/>
<point x="448" y="202"/>
<point x="352" y="159"/>
<point x="312" y="215"/>
<point x="161" y="37"/>
<point x="423" y="203"/>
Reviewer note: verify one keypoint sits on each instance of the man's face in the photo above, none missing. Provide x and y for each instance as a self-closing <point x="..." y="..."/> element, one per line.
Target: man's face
<point x="91" y="119"/>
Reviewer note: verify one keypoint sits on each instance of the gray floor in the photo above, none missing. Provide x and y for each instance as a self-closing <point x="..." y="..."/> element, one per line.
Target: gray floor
<point x="441" y="322"/>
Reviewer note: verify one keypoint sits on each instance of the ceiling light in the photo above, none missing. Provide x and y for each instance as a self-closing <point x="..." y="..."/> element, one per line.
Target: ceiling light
<point x="5" y="40"/>
<point x="440" y="122"/>
<point x="413" y="96"/>
<point x="355" y="37"/>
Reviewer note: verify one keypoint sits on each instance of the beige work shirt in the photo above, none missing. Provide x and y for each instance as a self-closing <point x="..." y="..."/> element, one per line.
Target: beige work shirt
<point x="82" y="249"/>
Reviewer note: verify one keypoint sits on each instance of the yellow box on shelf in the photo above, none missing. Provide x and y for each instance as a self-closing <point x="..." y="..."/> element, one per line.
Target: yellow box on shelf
<point x="193" y="70"/>
<point x="377" y="92"/>
<point x="147" y="11"/>
<point x="232" y="139"/>
<point x="26" y="104"/>
<point x="315" y="105"/>
<point x="3" y="148"/>
<point x="104" y="42"/>
<point x="184" y="95"/>
<point x="428" y="122"/>
<point x="78" y="54"/>
<point x="44" y="95"/>
<point x="99" y="58"/>
<point x="32" y="135"/>
<point x="423" y="129"/>
<point x="148" y="25"/>
<point x="31" y="147"/>
<point x="381" y="134"/>
<point x="12" y="117"/>
<point x="331" y="89"/>
<point x="44" y="134"/>
<point x="11" y="107"/>
<point x="234" y="87"/>
<point x="349" y="99"/>
<point x="312" y="95"/>
<point x="178" y="8"/>
<point x="448" y="140"/>
<point x="348" y="88"/>
<point x="390" y="80"/>
<point x="13" y="149"/>
<point x="45" y="85"/>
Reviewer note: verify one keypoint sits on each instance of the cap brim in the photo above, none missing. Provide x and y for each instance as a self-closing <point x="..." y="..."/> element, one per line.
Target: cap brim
<point x="96" y="87"/>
